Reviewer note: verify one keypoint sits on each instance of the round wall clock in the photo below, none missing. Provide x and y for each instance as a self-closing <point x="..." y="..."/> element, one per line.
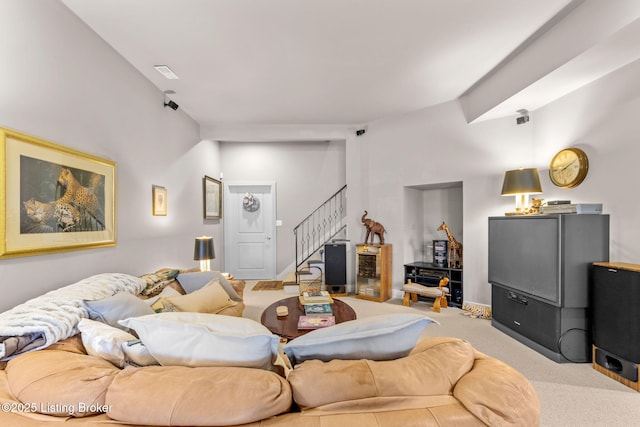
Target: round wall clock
<point x="569" y="167"/>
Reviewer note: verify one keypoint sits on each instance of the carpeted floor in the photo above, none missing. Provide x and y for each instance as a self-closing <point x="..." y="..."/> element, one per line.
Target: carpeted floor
<point x="268" y="285"/>
<point x="571" y="394"/>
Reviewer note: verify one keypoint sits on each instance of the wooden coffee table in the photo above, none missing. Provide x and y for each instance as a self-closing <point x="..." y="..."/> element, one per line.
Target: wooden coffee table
<point x="287" y="326"/>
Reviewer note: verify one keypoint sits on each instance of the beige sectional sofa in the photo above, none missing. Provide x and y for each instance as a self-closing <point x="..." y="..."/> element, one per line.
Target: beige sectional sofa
<point x="440" y="382"/>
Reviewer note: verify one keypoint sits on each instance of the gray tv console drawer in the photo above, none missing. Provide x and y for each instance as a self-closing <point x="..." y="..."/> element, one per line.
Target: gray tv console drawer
<point x="561" y="334"/>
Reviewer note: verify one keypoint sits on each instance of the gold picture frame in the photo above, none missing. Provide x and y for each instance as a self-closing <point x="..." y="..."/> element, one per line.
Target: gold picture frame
<point x="53" y="198"/>
<point x="212" y="198"/>
<point x="160" y="202"/>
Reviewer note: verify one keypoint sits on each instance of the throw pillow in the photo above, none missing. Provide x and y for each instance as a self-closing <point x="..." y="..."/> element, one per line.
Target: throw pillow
<point x="163" y="306"/>
<point x="136" y="354"/>
<point x="383" y="337"/>
<point x="117" y="307"/>
<point x="155" y="282"/>
<point x="113" y="345"/>
<point x="104" y="341"/>
<point x="166" y="292"/>
<point x="210" y="299"/>
<point x="202" y="339"/>
<point x="196" y="280"/>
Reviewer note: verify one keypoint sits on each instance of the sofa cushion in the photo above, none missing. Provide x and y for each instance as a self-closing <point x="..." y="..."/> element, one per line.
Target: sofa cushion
<point x="61" y="383"/>
<point x="498" y="394"/>
<point x="193" y="281"/>
<point x="73" y="344"/>
<point x="432" y="371"/>
<point x="177" y="395"/>
<point x="202" y="339"/>
<point x="120" y="306"/>
<point x="381" y="337"/>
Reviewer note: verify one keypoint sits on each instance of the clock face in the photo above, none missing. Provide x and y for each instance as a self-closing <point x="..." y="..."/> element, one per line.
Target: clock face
<point x="569" y="167"/>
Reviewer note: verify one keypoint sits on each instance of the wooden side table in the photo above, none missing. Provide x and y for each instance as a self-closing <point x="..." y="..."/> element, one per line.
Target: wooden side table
<point x="287" y="326"/>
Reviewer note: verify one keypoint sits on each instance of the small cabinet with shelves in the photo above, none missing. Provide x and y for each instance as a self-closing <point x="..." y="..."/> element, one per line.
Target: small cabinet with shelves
<point x="429" y="274"/>
<point x="373" y="272"/>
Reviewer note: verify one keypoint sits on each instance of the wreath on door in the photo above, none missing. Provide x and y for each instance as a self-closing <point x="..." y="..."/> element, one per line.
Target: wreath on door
<point x="250" y="203"/>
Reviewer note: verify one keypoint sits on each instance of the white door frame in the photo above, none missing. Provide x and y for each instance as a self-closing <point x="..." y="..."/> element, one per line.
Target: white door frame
<point x="231" y="211"/>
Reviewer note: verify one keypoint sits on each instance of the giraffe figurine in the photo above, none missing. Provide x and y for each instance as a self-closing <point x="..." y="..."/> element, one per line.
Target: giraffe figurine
<point x="454" y="254"/>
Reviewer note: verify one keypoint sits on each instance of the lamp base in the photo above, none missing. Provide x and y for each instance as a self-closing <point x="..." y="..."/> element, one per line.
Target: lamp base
<point x="205" y="265"/>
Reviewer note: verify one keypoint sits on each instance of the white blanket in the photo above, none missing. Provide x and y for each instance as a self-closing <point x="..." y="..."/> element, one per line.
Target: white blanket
<point x="54" y="316"/>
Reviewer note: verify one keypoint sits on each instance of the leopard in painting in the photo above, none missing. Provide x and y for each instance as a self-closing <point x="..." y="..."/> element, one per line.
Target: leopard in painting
<point x="65" y="214"/>
<point x="76" y="194"/>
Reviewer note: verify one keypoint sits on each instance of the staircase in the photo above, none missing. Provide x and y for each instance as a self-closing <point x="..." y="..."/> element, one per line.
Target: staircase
<point x="322" y="225"/>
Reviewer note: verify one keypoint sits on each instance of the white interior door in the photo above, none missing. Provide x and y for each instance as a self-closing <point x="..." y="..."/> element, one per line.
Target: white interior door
<point x="250" y="229"/>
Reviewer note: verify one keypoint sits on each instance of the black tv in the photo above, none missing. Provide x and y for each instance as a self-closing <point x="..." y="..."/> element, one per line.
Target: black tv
<point x="524" y="255"/>
<point x="548" y="257"/>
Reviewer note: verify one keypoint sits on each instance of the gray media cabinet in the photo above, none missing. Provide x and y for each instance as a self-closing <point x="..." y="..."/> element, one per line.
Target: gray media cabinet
<point x="540" y="271"/>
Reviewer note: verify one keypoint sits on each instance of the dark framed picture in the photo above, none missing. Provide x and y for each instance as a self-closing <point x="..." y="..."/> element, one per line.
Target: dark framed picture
<point x="54" y="198"/>
<point x="160" y="202"/>
<point x="212" y="198"/>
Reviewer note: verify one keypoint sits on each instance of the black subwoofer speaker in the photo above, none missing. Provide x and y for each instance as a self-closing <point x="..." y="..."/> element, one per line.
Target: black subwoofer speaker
<point x="615" y="319"/>
<point x="335" y="267"/>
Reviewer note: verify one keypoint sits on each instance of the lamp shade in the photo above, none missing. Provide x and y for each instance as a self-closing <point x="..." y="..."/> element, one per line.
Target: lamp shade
<point x="204" y="249"/>
<point x="521" y="181"/>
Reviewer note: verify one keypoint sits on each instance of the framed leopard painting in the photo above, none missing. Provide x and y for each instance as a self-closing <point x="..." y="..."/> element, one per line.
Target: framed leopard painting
<point x="55" y="198"/>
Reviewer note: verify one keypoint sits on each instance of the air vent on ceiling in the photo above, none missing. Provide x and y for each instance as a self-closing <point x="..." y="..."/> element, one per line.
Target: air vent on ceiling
<point x="166" y="71"/>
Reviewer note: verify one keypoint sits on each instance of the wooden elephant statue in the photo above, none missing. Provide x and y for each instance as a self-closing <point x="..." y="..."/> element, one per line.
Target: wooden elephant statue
<point x="373" y="228"/>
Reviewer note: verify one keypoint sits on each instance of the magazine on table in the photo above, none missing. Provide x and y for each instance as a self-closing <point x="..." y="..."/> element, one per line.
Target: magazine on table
<point x="316" y="322"/>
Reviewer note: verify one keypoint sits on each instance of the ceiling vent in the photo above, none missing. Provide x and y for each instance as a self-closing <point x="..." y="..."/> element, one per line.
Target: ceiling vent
<point x="166" y="71"/>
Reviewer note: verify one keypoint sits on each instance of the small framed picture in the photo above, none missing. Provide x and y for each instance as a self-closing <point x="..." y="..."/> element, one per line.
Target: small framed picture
<point x="212" y="198"/>
<point x="159" y="195"/>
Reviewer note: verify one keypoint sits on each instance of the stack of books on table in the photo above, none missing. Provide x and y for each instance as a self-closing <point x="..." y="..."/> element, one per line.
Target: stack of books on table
<point x="317" y="309"/>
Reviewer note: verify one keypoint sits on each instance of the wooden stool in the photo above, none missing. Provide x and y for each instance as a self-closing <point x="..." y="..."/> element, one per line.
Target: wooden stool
<point x="439" y="293"/>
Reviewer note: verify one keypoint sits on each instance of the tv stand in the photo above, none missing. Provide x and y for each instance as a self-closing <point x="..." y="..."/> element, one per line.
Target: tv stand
<point x="560" y="334"/>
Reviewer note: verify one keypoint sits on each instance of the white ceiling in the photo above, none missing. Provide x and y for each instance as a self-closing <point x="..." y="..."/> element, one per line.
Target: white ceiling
<point x="326" y="62"/>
